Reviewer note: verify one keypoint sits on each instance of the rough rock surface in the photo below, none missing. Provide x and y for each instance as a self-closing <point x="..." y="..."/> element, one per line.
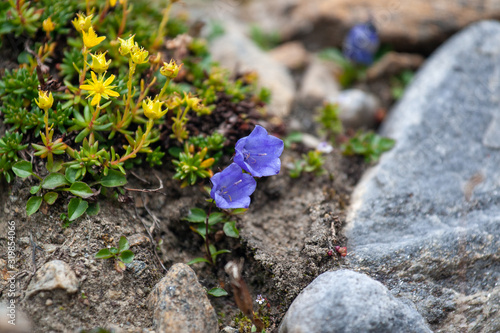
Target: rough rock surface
<point x="357" y="108"/>
<point x="180" y="303"/>
<point x="55" y="274"/>
<point x="292" y="54"/>
<point x="236" y="52"/>
<point x="346" y="301"/>
<point x="425" y="220"/>
<point x="405" y="24"/>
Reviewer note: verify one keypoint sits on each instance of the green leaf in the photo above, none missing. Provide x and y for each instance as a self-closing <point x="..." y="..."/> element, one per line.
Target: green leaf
<point x="32" y="205"/>
<point x="56" y="166"/>
<point x="76" y="208"/>
<point x="127" y="256"/>
<point x="23" y="169"/>
<point x="50" y="197"/>
<point x="215" y="254"/>
<point x="197" y="260"/>
<point x="35" y="189"/>
<point x="103" y="254"/>
<point x="113" y="250"/>
<point x="114" y="178"/>
<point x="215" y="218"/>
<point x="81" y="189"/>
<point x="239" y="211"/>
<point x="230" y="229"/>
<point x="93" y="209"/>
<point x="217" y="292"/>
<point x="123" y="244"/>
<point x="71" y="174"/>
<point x="196" y="215"/>
<point x="54" y="180"/>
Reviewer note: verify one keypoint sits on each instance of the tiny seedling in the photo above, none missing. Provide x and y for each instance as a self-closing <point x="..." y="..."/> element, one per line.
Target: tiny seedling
<point x="310" y="163"/>
<point x="367" y="144"/>
<point x="122" y="254"/>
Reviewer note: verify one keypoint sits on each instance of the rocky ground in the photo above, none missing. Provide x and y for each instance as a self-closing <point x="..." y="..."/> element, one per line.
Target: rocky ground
<point x="421" y="228"/>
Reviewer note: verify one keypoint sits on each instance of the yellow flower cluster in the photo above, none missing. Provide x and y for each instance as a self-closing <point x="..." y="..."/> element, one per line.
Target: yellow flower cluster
<point x="136" y="53"/>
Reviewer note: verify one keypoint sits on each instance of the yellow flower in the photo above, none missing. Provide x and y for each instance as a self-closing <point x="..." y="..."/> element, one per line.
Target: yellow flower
<point x="152" y="109"/>
<point x="48" y="25"/>
<point x="193" y="102"/>
<point x="82" y="23"/>
<point x="171" y="69"/>
<point x="45" y="100"/>
<point x="90" y="38"/>
<point x="99" y="63"/>
<point x="139" y="55"/>
<point x="99" y="89"/>
<point x="126" y="46"/>
<point x="112" y="3"/>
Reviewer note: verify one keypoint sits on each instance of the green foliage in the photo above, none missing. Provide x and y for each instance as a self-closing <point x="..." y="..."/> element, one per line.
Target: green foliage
<point x="10" y="145"/>
<point x="310" y="163"/>
<point x="192" y="166"/>
<point x="329" y="120"/>
<point x="19" y="17"/>
<point x="349" y="72"/>
<point x="89" y="121"/>
<point x="399" y="83"/>
<point x="121" y="254"/>
<point x="265" y="40"/>
<point x="217" y="292"/>
<point x="367" y="144"/>
<point x="201" y="223"/>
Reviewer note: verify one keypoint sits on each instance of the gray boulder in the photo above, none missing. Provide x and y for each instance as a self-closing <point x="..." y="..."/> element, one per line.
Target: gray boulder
<point x="346" y="301"/>
<point x="425" y="220"/>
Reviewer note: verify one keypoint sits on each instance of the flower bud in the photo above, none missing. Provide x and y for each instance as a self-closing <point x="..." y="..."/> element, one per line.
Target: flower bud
<point x="152" y="109"/>
<point x="82" y="22"/>
<point x="139" y="55"/>
<point x="126" y="45"/>
<point x="48" y="25"/>
<point x="99" y="63"/>
<point x="45" y="100"/>
<point x="90" y="38"/>
<point x="171" y="69"/>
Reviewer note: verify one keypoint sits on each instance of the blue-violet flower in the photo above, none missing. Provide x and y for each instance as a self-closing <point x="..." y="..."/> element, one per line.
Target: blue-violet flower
<point x="259" y="153"/>
<point x="232" y="188"/>
<point x="361" y="43"/>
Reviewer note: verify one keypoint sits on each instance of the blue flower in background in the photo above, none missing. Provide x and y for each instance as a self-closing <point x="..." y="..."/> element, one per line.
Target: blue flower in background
<point x="361" y="44"/>
<point x="232" y="188"/>
<point x="259" y="153"/>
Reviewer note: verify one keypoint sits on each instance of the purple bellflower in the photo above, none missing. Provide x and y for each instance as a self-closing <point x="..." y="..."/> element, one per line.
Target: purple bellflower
<point x="259" y="153"/>
<point x="232" y="188"/>
<point x="361" y="44"/>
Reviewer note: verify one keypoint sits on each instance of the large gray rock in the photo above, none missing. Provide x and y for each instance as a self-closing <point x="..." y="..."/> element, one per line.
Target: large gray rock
<point x="180" y="303"/>
<point x="346" y="301"/>
<point x="426" y="219"/>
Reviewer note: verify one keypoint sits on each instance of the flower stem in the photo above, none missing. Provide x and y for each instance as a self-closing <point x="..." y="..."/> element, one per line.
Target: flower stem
<point x="207" y="241"/>
<point x="164" y="89"/>
<point x="85" y="53"/>
<point x="124" y="19"/>
<point x="161" y="28"/>
<point x="125" y="115"/>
